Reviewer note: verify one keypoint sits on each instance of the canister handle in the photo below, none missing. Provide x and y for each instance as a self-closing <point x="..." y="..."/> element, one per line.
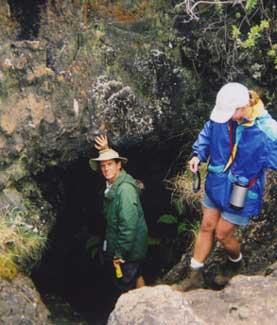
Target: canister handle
<point x="196" y="181"/>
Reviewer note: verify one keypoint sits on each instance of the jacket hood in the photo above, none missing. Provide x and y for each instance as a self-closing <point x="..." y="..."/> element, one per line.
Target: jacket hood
<point x="258" y="112"/>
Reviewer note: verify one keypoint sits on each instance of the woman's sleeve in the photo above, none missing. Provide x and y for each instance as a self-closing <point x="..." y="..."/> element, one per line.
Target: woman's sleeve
<point x="271" y="156"/>
<point x="201" y="147"/>
<point x="268" y="127"/>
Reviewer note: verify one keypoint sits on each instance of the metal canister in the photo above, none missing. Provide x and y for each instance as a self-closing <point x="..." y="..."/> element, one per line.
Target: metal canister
<point x="238" y="196"/>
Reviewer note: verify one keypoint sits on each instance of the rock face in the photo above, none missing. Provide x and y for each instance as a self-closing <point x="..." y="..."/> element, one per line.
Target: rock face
<point x="246" y="300"/>
<point x="40" y="111"/>
<point x="20" y="303"/>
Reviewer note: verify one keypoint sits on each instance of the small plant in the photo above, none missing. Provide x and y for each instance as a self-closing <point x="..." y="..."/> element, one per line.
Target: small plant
<point x="168" y="219"/>
<point x="8" y="268"/>
<point x="250" y="5"/>
<point x="177" y="234"/>
<point x="20" y="243"/>
<point x="182" y="226"/>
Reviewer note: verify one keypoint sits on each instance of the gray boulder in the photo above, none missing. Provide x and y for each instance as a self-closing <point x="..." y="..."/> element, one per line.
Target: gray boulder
<point x="20" y="303"/>
<point x="246" y="300"/>
<point x="153" y="305"/>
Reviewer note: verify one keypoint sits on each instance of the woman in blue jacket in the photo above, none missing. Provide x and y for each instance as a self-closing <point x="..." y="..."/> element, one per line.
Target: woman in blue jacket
<point x="240" y="143"/>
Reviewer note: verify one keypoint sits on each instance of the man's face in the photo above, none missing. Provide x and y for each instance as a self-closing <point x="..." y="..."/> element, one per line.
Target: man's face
<point x="110" y="169"/>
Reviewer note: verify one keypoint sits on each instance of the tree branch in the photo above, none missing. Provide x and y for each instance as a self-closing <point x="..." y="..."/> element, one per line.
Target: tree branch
<point x="189" y="5"/>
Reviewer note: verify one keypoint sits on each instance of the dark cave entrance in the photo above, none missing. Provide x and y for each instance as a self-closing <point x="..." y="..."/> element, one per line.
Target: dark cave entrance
<point x="67" y="269"/>
<point x="28" y="14"/>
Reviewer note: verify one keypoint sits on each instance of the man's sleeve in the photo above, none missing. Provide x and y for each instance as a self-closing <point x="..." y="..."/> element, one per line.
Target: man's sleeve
<point x="201" y="147"/>
<point x="128" y="217"/>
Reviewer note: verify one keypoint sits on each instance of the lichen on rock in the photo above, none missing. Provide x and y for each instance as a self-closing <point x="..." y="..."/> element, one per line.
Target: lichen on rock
<point x="20" y="303"/>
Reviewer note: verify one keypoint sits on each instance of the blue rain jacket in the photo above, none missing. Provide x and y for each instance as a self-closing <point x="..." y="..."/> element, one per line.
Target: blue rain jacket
<point x="256" y="150"/>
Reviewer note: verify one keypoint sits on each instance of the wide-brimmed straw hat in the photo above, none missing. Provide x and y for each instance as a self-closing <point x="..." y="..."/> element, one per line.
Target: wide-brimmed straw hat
<point x="230" y="97"/>
<point x="107" y="154"/>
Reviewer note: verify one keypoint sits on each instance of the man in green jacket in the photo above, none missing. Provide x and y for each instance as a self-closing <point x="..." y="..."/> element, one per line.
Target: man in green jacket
<point x="126" y="230"/>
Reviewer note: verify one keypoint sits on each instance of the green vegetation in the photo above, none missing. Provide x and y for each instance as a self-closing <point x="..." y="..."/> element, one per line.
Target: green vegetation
<point x="20" y="243"/>
<point x="231" y="43"/>
<point x="176" y="234"/>
<point x="182" y="225"/>
<point x="178" y="231"/>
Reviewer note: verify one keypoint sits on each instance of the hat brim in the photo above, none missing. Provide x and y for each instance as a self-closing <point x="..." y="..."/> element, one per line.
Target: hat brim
<point x="94" y="162"/>
<point x="220" y="116"/>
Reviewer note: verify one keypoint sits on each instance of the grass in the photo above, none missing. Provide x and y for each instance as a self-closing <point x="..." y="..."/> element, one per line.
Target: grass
<point x="20" y="243"/>
<point x="182" y="193"/>
<point x="8" y="268"/>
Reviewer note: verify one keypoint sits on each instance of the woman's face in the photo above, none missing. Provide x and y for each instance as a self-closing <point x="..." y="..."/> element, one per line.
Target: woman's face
<point x="240" y="113"/>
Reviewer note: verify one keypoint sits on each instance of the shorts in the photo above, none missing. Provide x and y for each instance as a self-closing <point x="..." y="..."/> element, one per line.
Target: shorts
<point x="231" y="217"/>
<point x="130" y="271"/>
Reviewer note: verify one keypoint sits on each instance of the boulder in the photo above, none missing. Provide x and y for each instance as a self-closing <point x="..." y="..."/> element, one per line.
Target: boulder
<point x="246" y="300"/>
<point x="20" y="303"/>
<point x="158" y="305"/>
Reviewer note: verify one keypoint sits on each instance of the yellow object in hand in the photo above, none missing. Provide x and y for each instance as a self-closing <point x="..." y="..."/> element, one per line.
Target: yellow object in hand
<point x="118" y="271"/>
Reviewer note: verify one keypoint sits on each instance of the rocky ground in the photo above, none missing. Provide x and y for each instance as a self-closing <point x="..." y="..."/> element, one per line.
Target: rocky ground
<point x="20" y="303"/>
<point x="246" y="300"/>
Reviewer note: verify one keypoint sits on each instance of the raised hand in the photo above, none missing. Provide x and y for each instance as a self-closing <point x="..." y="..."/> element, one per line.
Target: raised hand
<point x="101" y="142"/>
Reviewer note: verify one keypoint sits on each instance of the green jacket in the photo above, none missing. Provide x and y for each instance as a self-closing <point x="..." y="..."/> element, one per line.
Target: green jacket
<point x="126" y="230"/>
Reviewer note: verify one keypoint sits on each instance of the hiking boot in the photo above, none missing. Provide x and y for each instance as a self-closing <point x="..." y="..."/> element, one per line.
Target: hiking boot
<point x="195" y="280"/>
<point x="229" y="270"/>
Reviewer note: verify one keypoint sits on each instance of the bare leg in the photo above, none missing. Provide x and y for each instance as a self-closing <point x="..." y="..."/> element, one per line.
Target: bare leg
<point x="202" y="248"/>
<point x="225" y="235"/>
<point x="205" y="239"/>
<point x="140" y="282"/>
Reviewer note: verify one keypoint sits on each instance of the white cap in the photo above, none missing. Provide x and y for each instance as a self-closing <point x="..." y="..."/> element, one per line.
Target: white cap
<point x="230" y="97"/>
